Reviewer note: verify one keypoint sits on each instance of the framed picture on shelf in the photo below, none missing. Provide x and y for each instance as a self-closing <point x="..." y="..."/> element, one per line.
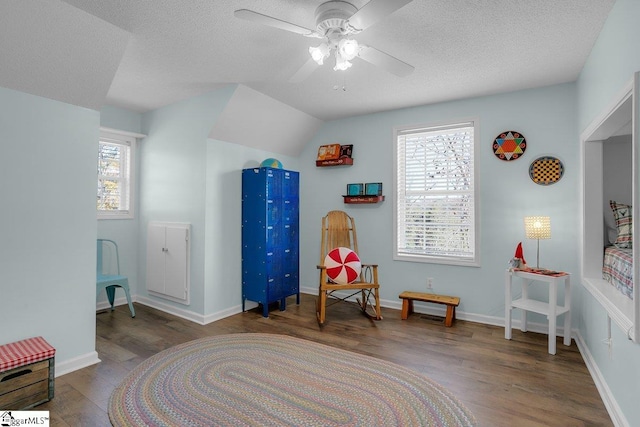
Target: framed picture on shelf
<point x="355" y="189"/>
<point x="373" y="189"/>
<point x="346" y="151"/>
<point x="329" y="152"/>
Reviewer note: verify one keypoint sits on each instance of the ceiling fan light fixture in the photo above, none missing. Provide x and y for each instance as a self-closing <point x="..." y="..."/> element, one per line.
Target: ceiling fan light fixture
<point x="336" y="22"/>
<point x="319" y="53"/>
<point x="342" y="63"/>
<point x="348" y="48"/>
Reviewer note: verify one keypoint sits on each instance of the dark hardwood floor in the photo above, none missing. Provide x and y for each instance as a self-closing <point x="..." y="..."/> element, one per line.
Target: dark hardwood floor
<point x="504" y="383"/>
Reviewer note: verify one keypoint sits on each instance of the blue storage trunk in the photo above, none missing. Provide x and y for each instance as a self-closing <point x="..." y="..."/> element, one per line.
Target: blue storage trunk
<point x="270" y="236"/>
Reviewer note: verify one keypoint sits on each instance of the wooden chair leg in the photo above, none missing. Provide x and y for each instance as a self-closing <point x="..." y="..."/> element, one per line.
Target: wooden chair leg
<point x="378" y="311"/>
<point x="322" y="305"/>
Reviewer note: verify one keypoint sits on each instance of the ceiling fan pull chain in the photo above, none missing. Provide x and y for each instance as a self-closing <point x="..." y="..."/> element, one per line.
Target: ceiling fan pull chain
<point x="344" y="84"/>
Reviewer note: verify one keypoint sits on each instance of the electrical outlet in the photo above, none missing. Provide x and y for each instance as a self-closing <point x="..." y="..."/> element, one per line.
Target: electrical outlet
<point x="429" y="283"/>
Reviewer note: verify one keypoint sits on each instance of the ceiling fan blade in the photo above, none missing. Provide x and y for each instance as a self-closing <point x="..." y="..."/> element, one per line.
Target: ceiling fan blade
<point x="304" y="72"/>
<point x="250" y="15"/>
<point x="385" y="61"/>
<point x="374" y="11"/>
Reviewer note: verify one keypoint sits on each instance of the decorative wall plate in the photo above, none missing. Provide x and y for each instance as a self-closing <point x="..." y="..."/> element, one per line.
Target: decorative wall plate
<point x="509" y="145"/>
<point x="546" y="170"/>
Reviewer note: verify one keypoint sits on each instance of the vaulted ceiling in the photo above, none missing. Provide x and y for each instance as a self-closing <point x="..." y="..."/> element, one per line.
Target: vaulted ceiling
<point x="141" y="54"/>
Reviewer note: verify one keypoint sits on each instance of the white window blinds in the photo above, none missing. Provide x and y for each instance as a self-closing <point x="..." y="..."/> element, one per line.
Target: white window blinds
<point x="114" y="175"/>
<point x="435" y="211"/>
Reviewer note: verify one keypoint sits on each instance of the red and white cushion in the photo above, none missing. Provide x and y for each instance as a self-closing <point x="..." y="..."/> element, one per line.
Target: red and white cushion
<point x="343" y="265"/>
<point x="20" y="353"/>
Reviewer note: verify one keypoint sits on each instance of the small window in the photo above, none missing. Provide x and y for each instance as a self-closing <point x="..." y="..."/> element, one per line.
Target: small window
<point x="115" y="173"/>
<point x="436" y="199"/>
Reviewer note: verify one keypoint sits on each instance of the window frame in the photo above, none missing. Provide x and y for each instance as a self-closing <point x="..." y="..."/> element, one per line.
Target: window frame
<point x="113" y="136"/>
<point x="473" y="261"/>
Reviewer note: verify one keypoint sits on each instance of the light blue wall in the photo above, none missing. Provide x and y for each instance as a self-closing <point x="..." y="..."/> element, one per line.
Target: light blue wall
<point x="124" y="231"/>
<point x="613" y="60"/>
<point x="121" y="119"/>
<point x="220" y="292"/>
<point x="48" y="226"/>
<point x="507" y="194"/>
<point x="173" y="167"/>
<point x="223" y="266"/>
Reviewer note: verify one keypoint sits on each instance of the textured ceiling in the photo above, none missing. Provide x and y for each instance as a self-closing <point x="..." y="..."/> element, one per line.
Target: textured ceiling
<point x="54" y="50"/>
<point x="178" y="49"/>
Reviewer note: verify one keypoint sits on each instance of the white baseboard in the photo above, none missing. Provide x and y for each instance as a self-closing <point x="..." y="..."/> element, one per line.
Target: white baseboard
<point x="67" y="366"/>
<point x="226" y="313"/>
<point x="168" y="308"/>
<point x="309" y="290"/>
<point x="191" y="315"/>
<point x="616" y="414"/>
<point x="104" y="305"/>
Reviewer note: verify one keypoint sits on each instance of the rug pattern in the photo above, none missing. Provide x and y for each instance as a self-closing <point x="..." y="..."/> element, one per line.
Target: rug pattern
<point x="275" y="380"/>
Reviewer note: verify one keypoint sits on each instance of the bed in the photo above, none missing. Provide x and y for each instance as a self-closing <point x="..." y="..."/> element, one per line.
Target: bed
<point x="617" y="267"/>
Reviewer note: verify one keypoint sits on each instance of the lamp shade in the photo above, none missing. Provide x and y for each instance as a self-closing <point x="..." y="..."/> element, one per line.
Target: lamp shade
<point x="319" y="53"/>
<point x="348" y="48"/>
<point x="537" y="227"/>
<point x="341" y="63"/>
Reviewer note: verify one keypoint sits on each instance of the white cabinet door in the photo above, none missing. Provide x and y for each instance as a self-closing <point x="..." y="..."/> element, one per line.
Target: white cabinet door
<point x="168" y="261"/>
<point x="155" y="258"/>
<point x="177" y="239"/>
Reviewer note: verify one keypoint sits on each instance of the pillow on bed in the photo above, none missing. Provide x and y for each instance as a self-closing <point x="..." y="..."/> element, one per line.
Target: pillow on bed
<point x="622" y="215"/>
<point x="610" y="229"/>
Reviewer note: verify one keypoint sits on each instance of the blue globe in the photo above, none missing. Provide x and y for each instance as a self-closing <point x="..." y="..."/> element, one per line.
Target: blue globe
<point x="271" y="163"/>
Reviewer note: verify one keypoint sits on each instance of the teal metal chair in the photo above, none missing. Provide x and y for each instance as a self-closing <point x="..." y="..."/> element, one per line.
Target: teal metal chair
<point x="108" y="264"/>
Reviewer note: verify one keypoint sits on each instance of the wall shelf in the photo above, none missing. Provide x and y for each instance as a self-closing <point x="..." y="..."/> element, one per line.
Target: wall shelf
<point x="343" y="161"/>
<point x="361" y="199"/>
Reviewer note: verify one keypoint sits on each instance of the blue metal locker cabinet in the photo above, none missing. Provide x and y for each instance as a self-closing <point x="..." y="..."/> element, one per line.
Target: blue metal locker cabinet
<point x="270" y="236"/>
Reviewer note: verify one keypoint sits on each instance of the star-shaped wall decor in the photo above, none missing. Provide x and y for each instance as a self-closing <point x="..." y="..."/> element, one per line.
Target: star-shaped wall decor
<point x="509" y="145"/>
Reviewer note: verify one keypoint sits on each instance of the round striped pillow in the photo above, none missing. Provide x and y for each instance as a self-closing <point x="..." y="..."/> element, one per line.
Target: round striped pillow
<point x="343" y="265"/>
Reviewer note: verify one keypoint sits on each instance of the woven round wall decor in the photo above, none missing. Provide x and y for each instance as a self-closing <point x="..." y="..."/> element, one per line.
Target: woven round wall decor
<point x="546" y="170"/>
<point x="509" y="145"/>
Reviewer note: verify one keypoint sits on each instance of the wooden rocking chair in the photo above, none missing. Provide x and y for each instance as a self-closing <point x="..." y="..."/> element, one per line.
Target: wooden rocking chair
<point x="339" y="230"/>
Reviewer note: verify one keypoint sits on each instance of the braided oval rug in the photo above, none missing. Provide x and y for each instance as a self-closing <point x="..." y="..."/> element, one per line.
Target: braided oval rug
<point x="276" y="380"/>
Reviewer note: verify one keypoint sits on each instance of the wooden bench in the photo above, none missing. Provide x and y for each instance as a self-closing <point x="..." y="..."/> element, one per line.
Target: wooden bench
<point x="451" y="302"/>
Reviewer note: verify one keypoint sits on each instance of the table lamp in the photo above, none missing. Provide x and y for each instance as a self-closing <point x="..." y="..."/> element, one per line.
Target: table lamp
<point x="537" y="227"/>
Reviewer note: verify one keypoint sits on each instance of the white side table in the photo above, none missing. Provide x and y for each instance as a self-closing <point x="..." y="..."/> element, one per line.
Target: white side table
<point x="552" y="310"/>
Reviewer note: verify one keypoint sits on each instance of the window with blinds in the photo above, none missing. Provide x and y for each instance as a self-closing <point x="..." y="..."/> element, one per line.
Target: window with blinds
<point x="115" y="157"/>
<point x="435" y="214"/>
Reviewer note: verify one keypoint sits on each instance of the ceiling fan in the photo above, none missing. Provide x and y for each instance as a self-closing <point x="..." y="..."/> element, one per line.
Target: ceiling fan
<point x="336" y="23"/>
